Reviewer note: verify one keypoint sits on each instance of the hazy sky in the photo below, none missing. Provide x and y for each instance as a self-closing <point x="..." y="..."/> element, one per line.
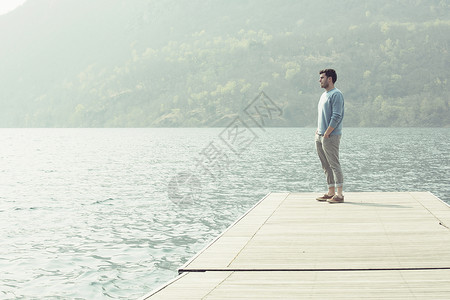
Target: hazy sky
<point x="9" y="5"/>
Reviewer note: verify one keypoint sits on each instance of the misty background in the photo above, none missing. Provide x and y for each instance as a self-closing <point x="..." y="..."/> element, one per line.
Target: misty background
<point x="172" y="63"/>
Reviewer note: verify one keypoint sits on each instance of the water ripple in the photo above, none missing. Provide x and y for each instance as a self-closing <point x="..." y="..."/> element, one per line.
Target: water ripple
<point x="86" y="213"/>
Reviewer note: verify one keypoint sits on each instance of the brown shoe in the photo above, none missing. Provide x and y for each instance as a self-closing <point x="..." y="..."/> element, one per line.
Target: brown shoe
<point x="324" y="198"/>
<point x="336" y="199"/>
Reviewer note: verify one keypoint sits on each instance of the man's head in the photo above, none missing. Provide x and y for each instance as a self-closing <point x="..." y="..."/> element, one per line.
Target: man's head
<point x="327" y="78"/>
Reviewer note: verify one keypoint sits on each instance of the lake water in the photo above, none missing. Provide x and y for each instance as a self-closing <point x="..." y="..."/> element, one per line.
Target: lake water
<point x="112" y="213"/>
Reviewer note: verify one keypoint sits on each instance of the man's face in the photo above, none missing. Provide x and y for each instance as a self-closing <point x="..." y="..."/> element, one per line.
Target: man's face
<point x="323" y="81"/>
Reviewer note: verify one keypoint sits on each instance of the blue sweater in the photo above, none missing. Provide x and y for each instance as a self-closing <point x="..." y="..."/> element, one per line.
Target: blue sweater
<point x="331" y="111"/>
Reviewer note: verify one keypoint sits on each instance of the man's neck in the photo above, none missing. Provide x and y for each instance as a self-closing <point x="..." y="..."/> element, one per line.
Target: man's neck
<point x="330" y="87"/>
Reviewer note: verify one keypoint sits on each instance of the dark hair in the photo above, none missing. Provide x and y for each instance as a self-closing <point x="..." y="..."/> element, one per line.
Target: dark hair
<point x="330" y="73"/>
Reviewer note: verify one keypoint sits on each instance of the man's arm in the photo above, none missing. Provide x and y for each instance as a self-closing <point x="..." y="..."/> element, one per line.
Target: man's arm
<point x="337" y="108"/>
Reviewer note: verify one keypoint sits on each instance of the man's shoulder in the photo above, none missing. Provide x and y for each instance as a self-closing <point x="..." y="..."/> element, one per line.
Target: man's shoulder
<point x="335" y="93"/>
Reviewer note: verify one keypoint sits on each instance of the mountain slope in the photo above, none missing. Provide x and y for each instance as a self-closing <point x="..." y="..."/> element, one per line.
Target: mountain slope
<point x="80" y="63"/>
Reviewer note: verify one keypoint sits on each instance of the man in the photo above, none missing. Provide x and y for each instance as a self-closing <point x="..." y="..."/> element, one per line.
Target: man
<point x="328" y="135"/>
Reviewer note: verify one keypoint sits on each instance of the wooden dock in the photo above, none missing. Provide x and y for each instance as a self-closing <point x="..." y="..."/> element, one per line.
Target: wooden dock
<point x="289" y="246"/>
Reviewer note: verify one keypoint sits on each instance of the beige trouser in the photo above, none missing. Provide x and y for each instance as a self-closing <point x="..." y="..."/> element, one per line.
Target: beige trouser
<point x="328" y="151"/>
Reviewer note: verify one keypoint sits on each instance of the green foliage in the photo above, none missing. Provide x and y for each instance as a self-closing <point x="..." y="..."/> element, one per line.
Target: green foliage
<point x="200" y="63"/>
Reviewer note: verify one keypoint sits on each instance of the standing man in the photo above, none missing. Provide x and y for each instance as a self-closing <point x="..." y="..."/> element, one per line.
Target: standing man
<point x="328" y="135"/>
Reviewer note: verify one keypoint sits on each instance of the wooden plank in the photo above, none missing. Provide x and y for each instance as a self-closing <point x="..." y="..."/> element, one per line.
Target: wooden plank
<point x="395" y="284"/>
<point x="369" y="231"/>
<point x="291" y="246"/>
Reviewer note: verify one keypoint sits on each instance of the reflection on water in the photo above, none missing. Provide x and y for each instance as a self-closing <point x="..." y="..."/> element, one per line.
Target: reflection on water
<point x="87" y="213"/>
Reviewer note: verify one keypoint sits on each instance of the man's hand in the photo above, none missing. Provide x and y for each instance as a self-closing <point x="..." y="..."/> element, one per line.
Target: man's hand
<point x="328" y="132"/>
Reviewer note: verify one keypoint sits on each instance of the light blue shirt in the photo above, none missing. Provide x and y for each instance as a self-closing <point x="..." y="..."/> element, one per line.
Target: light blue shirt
<point x="331" y="111"/>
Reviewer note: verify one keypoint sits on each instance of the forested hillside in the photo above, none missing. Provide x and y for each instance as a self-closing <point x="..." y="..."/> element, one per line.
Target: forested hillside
<point x="146" y="63"/>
